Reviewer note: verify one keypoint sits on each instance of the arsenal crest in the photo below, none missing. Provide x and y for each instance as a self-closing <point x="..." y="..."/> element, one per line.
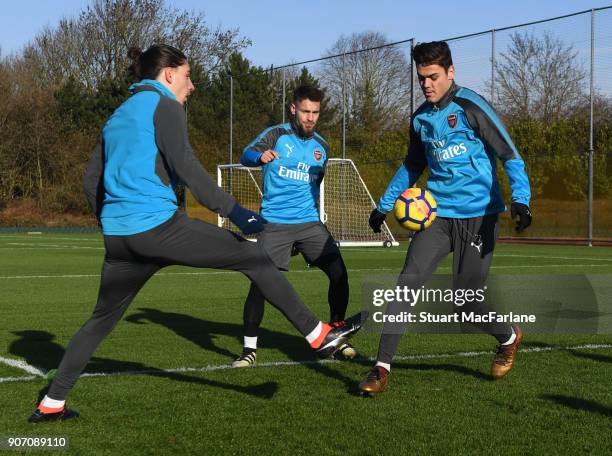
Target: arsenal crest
<point x="452" y="120"/>
<point x="317" y="155"/>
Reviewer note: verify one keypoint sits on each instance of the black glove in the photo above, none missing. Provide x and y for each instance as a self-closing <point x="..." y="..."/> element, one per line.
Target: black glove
<point x="376" y="220"/>
<point x="524" y="215"/>
<point x="248" y="221"/>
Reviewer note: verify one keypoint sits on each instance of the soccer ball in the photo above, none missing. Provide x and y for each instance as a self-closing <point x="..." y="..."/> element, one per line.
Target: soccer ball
<point x="415" y="209"/>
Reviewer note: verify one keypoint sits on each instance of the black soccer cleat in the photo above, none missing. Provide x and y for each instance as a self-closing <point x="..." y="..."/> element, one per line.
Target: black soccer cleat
<point x="340" y="333"/>
<point x="40" y="417"/>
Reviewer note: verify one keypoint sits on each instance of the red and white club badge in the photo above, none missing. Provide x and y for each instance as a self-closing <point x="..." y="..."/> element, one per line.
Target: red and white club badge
<point x="452" y="120"/>
<point x="317" y="155"/>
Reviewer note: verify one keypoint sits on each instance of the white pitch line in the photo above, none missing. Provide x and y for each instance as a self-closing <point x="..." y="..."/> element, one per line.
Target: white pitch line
<point x="501" y="255"/>
<point x="53" y="246"/>
<point x="16" y="379"/>
<point x="178" y="370"/>
<point x="20" y="364"/>
<point x="20" y="236"/>
<point x="508" y="255"/>
<point x="551" y="257"/>
<point x="72" y="276"/>
<point x="40" y="249"/>
<point x="482" y="353"/>
<point x="309" y="271"/>
<point x="549" y="266"/>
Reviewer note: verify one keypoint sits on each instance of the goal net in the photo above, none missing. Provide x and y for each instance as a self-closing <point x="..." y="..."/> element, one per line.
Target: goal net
<point x="344" y="205"/>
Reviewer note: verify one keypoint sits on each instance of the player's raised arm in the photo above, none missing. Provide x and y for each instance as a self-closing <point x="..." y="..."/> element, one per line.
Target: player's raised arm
<point x="261" y="149"/>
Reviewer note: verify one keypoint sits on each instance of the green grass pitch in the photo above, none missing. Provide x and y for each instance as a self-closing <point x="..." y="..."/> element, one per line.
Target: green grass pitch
<point x="168" y="389"/>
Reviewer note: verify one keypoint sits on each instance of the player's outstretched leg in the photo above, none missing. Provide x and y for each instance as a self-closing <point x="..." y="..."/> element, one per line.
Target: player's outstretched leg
<point x="121" y="280"/>
<point x="195" y="243"/>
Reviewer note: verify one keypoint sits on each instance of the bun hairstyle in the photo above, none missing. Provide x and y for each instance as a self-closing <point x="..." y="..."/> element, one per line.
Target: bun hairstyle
<point x="148" y="64"/>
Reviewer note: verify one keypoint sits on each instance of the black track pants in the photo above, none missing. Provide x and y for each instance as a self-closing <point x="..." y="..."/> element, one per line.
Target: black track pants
<point x="470" y="269"/>
<point x="131" y="260"/>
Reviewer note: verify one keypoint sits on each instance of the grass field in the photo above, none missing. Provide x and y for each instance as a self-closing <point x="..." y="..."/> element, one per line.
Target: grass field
<point x="167" y="388"/>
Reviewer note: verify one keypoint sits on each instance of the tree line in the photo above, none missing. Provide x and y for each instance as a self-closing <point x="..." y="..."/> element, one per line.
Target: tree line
<point x="60" y="89"/>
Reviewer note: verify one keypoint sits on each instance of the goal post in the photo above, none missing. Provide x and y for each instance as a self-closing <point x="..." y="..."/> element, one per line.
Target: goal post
<point x="345" y="202"/>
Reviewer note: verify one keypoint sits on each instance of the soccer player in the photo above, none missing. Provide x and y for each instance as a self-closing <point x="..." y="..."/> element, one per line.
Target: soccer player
<point x="293" y="158"/>
<point x="457" y="134"/>
<point x="143" y="153"/>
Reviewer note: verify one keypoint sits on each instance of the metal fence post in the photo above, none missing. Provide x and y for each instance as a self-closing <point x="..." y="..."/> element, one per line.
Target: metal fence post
<point x="411" y="77"/>
<point x="343" y="107"/>
<point x="231" y="125"/>
<point x="493" y="67"/>
<point x="284" y="108"/>
<point x="272" y="89"/>
<point x="591" y="150"/>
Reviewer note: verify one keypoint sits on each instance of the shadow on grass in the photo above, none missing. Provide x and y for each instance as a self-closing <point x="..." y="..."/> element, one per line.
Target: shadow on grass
<point x="579" y="404"/>
<point x="573" y="352"/>
<point x="202" y="333"/>
<point x="445" y="367"/>
<point x="354" y="386"/>
<point x="38" y="348"/>
<point x="592" y="356"/>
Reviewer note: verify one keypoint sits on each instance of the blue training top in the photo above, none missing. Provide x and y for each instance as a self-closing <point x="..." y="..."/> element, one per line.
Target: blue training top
<point x="290" y="183"/>
<point x="143" y="153"/>
<point x="459" y="139"/>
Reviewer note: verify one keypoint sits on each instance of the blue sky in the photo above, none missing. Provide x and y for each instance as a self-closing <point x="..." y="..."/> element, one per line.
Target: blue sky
<point x="286" y="32"/>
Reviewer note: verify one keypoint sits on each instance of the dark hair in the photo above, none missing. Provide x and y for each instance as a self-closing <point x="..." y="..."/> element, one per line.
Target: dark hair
<point x="434" y="53"/>
<point x="148" y="64"/>
<point x="309" y="92"/>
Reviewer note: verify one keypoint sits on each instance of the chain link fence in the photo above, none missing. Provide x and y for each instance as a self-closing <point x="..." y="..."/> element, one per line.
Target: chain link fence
<point x="549" y="80"/>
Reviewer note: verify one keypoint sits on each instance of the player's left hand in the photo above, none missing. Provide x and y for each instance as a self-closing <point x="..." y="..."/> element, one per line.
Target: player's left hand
<point x="376" y="220"/>
<point x="524" y="214"/>
<point x="248" y="221"/>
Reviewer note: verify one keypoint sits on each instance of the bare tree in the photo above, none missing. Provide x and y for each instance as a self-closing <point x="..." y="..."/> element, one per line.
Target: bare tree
<point x="539" y="77"/>
<point x="93" y="46"/>
<point x="374" y="81"/>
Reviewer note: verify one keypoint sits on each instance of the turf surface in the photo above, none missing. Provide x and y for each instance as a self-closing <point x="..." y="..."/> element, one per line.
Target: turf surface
<point x="176" y="396"/>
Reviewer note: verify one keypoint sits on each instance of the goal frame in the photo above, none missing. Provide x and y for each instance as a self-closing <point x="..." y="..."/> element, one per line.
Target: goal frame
<point x="387" y="238"/>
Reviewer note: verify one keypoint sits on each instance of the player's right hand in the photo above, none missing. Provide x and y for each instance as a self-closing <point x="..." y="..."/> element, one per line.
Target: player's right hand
<point x="268" y="156"/>
<point x="248" y="221"/>
<point x="376" y="220"/>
